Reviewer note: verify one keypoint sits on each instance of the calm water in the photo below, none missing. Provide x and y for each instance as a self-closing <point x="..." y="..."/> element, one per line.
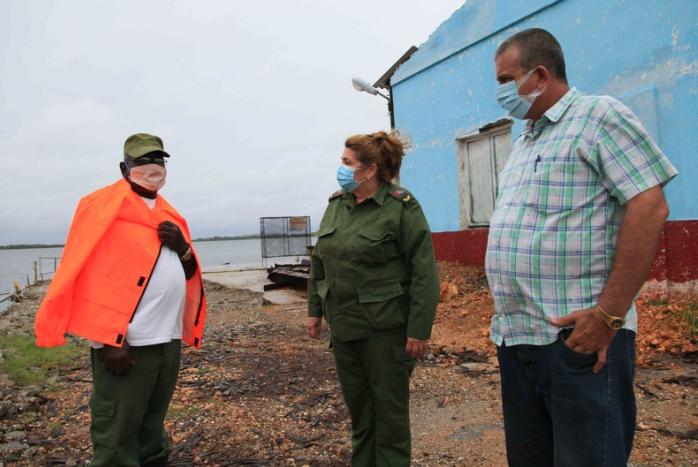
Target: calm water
<point x="16" y="265"/>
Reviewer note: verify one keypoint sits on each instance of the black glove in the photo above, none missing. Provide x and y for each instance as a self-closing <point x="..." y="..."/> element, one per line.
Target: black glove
<point x="170" y="236"/>
<point x="117" y="360"/>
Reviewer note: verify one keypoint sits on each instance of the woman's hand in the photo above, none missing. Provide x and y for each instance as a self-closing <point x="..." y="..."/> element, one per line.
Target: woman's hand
<point x="417" y="347"/>
<point x="313" y="325"/>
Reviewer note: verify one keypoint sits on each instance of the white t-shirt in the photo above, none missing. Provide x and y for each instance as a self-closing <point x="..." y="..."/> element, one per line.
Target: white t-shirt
<point x="158" y="318"/>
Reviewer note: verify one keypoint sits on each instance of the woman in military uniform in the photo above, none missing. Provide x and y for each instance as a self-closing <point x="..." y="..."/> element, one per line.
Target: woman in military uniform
<point x="374" y="279"/>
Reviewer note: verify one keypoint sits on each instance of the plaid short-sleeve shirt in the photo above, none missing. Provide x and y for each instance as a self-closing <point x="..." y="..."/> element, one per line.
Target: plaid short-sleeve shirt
<point x="554" y="229"/>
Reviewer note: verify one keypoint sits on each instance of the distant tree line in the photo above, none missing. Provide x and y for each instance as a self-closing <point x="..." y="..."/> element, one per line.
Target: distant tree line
<point x="25" y="246"/>
<point x="215" y="238"/>
<point x="218" y="238"/>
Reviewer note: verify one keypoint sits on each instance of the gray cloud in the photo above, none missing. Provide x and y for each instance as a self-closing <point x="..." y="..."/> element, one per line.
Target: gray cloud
<point x="252" y="99"/>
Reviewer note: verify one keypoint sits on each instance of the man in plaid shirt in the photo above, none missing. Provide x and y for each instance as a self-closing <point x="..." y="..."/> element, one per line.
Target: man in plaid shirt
<point x="575" y="229"/>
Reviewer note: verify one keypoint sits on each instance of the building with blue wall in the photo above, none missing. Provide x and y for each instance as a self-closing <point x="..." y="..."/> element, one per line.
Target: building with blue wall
<point x="642" y="52"/>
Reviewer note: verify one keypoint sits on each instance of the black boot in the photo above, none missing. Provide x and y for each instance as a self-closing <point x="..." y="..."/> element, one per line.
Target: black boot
<point x="159" y="462"/>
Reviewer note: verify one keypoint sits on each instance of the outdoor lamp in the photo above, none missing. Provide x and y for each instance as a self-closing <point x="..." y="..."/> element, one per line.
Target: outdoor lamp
<point x="361" y="85"/>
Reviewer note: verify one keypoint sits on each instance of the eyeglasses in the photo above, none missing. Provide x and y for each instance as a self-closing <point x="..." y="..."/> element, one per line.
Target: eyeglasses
<point x="145" y="160"/>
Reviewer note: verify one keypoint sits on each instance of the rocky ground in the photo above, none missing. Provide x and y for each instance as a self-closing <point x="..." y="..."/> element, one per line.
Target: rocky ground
<point x="261" y="393"/>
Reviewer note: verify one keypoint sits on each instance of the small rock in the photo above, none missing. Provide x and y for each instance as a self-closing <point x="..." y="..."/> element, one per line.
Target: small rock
<point x="71" y="463"/>
<point x="4" y="409"/>
<point x="15" y="436"/>
<point x="34" y="440"/>
<point x="31" y="452"/>
<point x="13" y="447"/>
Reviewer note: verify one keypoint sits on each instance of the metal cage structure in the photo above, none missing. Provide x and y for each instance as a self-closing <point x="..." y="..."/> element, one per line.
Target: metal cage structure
<point x="285" y="236"/>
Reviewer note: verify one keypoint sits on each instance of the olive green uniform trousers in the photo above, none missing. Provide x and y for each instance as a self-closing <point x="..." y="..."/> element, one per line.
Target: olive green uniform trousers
<point x="128" y="411"/>
<point x="374" y="374"/>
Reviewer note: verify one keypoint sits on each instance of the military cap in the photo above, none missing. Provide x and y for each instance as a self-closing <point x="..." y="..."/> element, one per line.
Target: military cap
<point x="141" y="144"/>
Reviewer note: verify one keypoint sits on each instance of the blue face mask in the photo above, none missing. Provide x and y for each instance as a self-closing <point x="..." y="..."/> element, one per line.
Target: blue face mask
<point x="345" y="178"/>
<point x="509" y="98"/>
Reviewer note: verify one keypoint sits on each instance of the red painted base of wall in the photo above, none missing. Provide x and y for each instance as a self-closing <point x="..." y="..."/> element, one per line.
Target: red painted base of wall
<point x="676" y="260"/>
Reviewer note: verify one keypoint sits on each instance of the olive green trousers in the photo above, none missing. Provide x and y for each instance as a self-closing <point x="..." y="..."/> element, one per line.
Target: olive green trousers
<point x="128" y="411"/>
<point x="374" y="374"/>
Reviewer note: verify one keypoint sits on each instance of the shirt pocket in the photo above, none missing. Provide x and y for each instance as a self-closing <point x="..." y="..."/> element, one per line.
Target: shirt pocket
<point x="556" y="186"/>
<point x="323" y="246"/>
<point x="376" y="247"/>
<point x="383" y="305"/>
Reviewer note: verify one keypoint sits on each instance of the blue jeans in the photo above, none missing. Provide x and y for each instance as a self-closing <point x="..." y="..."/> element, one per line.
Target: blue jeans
<point x="557" y="412"/>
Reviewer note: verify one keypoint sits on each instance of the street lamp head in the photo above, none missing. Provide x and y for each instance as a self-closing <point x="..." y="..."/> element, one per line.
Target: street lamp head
<point x="361" y="85"/>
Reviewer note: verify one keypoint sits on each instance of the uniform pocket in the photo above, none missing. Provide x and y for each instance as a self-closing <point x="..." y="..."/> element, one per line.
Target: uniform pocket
<point x="380" y="293"/>
<point x="382" y="305"/>
<point x="324" y="231"/>
<point x="324" y="245"/>
<point x="102" y="424"/>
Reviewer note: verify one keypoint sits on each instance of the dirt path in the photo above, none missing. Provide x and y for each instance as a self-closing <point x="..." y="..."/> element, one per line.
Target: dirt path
<point x="262" y="393"/>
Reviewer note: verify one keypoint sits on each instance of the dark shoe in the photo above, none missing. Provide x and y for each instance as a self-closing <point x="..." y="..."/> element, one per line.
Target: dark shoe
<point x="159" y="462"/>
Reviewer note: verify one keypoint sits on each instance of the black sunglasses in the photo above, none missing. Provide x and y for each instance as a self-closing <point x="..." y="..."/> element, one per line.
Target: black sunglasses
<point x="145" y="160"/>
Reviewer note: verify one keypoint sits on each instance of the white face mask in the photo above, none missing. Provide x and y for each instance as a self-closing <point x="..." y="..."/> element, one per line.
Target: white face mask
<point x="149" y="176"/>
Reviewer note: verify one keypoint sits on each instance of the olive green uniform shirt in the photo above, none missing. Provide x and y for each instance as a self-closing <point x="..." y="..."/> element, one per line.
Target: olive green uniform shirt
<point x="373" y="268"/>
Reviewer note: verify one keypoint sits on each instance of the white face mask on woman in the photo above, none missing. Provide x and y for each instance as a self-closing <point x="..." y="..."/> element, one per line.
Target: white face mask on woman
<point x="149" y="176"/>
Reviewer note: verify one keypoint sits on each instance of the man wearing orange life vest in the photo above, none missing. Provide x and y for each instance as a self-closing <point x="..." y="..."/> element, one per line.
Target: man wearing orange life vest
<point x="129" y="282"/>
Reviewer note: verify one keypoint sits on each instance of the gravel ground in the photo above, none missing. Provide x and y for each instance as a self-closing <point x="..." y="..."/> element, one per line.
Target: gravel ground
<point x="262" y="393"/>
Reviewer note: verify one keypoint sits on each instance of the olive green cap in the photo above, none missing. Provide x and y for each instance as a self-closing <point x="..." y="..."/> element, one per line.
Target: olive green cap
<point x="141" y="144"/>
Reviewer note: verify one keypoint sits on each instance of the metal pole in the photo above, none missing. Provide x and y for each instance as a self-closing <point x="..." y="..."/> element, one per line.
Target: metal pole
<point x="390" y="107"/>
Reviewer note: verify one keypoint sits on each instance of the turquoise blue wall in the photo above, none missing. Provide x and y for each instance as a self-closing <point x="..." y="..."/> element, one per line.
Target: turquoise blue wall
<point x="643" y="52"/>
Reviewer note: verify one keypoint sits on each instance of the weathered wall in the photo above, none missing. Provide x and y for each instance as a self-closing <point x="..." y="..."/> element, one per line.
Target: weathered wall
<point x="643" y="52"/>
<point x="676" y="260"/>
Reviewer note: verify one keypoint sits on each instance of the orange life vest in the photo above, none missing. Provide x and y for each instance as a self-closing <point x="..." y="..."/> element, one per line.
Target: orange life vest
<point x="109" y="256"/>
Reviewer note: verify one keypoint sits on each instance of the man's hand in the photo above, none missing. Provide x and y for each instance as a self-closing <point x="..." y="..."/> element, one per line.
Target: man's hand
<point x="313" y="325"/>
<point x="591" y="334"/>
<point x="170" y="236"/>
<point x="117" y="360"/>
<point x="417" y="347"/>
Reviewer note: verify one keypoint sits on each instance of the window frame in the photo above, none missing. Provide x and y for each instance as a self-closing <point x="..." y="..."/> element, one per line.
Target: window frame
<point x="465" y="196"/>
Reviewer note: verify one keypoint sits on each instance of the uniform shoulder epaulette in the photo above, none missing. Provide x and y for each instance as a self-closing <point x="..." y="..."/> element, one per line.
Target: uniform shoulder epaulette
<point x="401" y="194"/>
<point x="336" y="194"/>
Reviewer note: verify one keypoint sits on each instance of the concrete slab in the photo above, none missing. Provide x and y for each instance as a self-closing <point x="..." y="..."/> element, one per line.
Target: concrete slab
<point x="254" y="280"/>
<point x="250" y="279"/>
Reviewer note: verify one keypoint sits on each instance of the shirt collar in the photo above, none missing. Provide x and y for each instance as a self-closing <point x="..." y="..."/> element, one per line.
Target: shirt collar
<point x="554" y="113"/>
<point x="378" y="196"/>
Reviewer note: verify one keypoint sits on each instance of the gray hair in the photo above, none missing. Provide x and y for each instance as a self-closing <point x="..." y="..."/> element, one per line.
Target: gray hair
<point x="537" y="47"/>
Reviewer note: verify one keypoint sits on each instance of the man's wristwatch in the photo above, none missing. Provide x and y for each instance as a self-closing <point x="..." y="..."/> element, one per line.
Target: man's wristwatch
<point x="187" y="255"/>
<point x="613" y="322"/>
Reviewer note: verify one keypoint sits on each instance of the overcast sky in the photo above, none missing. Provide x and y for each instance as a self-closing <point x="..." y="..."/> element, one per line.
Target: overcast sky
<point x="253" y="100"/>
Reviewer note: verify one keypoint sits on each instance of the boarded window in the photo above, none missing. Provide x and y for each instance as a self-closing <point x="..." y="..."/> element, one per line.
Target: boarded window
<point x="481" y="157"/>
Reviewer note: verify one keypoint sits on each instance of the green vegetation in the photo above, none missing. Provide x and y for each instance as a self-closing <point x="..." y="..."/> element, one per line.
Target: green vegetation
<point x="657" y="301"/>
<point x="690" y="316"/>
<point x="28" y="364"/>
<point x="183" y="412"/>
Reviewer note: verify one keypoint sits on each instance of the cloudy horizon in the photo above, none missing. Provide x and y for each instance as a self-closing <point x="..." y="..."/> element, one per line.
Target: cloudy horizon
<point x="252" y="99"/>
